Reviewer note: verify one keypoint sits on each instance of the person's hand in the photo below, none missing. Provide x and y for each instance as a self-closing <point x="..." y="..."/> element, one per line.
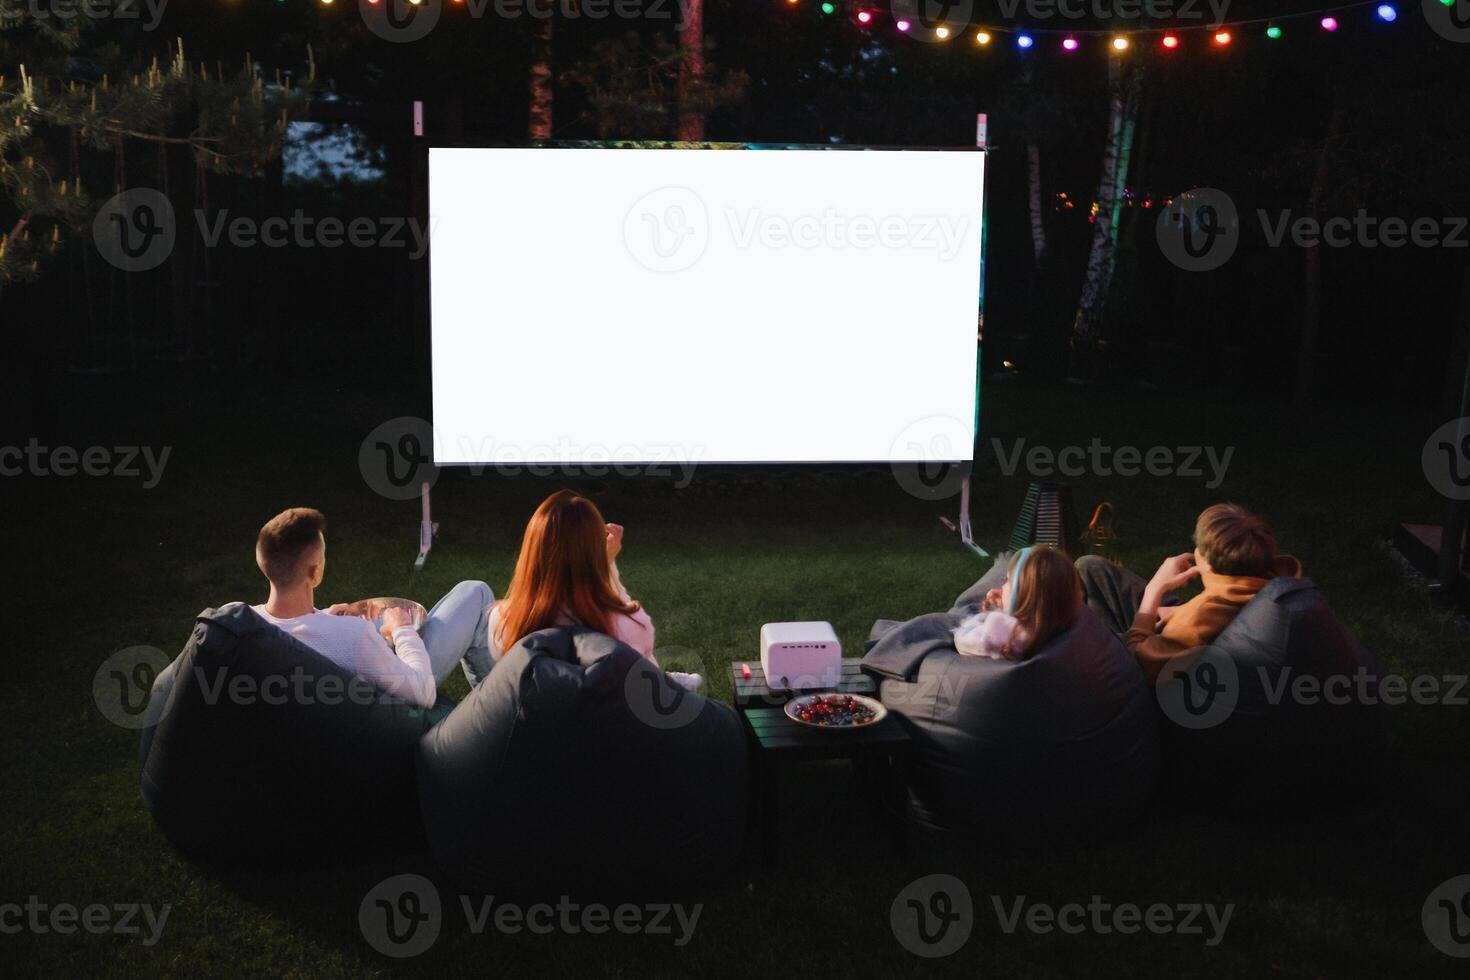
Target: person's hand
<point x="337" y="609"/>
<point x="992" y="601"/>
<point x="1165" y="612"/>
<point x="395" y="618"/>
<point x="614" y="541"/>
<point x="1172" y="573"/>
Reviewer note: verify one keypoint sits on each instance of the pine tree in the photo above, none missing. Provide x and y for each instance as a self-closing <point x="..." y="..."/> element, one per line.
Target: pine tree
<point x="60" y="86"/>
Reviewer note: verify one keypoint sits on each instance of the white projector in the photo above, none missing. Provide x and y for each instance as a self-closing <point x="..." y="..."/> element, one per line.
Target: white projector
<point x="800" y="656"/>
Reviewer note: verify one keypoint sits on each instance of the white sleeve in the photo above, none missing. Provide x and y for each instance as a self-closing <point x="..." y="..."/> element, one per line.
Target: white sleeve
<point x="407" y="674"/>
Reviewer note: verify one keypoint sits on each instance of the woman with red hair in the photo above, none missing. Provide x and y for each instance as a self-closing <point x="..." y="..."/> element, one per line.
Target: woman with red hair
<point x="566" y="576"/>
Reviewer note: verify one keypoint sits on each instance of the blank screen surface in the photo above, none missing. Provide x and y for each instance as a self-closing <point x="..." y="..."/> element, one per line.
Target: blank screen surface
<point x="704" y="306"/>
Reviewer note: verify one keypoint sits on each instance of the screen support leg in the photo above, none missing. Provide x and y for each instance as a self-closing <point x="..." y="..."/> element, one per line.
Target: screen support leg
<point x="966" y="537"/>
<point x="427" y="529"/>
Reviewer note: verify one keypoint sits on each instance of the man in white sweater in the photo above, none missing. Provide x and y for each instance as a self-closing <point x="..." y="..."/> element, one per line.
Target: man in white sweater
<point x="291" y="551"/>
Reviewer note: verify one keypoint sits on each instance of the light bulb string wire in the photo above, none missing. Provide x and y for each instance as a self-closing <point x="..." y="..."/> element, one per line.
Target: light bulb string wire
<point x="1151" y="31"/>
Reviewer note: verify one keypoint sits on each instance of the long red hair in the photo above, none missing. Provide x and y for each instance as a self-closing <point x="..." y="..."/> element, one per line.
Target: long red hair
<point x="563" y="570"/>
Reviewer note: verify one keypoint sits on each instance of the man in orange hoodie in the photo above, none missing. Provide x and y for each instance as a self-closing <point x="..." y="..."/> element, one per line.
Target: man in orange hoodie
<point x="1234" y="557"/>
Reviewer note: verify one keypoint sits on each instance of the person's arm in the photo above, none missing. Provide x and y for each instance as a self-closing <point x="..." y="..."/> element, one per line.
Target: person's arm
<point x="405" y="671"/>
<point x="1152" y="650"/>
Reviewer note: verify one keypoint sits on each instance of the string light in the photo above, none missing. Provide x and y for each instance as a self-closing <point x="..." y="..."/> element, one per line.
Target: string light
<point x="1385" y="11"/>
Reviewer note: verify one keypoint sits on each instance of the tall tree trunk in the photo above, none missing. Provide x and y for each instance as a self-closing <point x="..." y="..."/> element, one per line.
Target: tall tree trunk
<point x="1087" y="324"/>
<point x="1120" y="181"/>
<point x="691" y="72"/>
<point x="539" y="124"/>
<point x="1033" y="173"/>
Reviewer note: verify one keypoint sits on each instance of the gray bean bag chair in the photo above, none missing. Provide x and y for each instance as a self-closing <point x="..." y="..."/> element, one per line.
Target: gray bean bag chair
<point x="257" y="748"/>
<point x="1270" y="736"/>
<point x="577" y="767"/>
<point x="1062" y="744"/>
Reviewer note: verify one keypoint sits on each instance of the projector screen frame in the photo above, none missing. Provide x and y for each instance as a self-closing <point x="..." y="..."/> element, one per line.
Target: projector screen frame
<point x="963" y="466"/>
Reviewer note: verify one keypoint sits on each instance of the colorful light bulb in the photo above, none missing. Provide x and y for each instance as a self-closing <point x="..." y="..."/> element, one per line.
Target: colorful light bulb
<point x="1170" y="42"/>
<point x="982" y="37"/>
<point x="864" y="16"/>
<point x="1329" y="23"/>
<point x="1120" y="44"/>
<point x="1024" y="40"/>
<point x="902" y="25"/>
<point x="1387" y="12"/>
<point x="1069" y="44"/>
<point x="1273" y="32"/>
<point x="1222" y="38"/>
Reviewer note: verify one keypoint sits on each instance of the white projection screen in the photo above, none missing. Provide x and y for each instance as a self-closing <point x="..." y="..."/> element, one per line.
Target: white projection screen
<point x="704" y="305"/>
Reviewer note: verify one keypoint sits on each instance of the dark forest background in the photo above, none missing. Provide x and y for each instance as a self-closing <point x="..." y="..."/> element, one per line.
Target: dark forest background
<point x="1372" y="117"/>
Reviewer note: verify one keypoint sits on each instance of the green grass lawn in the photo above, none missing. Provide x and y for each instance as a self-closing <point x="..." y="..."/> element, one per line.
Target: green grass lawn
<point x="108" y="565"/>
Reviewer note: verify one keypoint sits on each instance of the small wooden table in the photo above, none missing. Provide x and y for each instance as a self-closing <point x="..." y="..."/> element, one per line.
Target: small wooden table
<point x="876" y="750"/>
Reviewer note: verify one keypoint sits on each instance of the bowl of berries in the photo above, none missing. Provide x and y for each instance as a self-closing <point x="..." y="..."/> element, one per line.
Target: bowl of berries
<point x="836" y="711"/>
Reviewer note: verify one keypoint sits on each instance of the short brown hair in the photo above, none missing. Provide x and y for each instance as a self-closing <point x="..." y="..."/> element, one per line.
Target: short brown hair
<point x="285" y="540"/>
<point x="1235" y="542"/>
<point x="1048" y="595"/>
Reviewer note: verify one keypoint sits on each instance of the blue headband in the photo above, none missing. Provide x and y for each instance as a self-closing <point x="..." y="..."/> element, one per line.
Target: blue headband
<point x="1016" y="578"/>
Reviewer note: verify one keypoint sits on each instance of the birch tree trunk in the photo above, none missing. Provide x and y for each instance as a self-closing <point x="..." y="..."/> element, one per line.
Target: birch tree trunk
<point x="1120" y="180"/>
<point x="691" y="72"/>
<point x="1087" y="325"/>
<point x="542" y="93"/>
<point x="1033" y="175"/>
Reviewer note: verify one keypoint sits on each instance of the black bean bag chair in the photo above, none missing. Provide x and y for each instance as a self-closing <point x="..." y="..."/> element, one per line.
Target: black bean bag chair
<point x="577" y="767"/>
<point x="257" y="748"/>
<point x="1281" y="712"/>
<point x="1064" y="744"/>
